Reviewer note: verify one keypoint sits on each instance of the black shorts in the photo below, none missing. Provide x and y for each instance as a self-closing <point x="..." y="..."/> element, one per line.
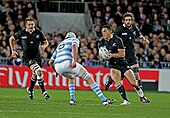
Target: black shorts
<point x="132" y="60"/>
<point x="122" y="66"/>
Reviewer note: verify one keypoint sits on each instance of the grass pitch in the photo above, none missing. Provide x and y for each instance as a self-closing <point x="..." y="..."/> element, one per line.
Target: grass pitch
<point x="14" y="103"/>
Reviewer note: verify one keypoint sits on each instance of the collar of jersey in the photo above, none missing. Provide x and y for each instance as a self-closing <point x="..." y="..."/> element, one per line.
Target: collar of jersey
<point x="110" y="37"/>
<point x="32" y="30"/>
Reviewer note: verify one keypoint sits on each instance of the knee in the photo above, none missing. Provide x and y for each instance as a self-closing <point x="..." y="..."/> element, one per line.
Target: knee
<point x="39" y="72"/>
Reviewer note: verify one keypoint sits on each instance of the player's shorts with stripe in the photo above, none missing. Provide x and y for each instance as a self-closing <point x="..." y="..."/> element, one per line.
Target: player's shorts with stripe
<point x="64" y="69"/>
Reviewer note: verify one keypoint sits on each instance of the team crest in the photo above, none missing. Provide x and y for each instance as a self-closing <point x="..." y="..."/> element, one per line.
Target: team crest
<point x="134" y="33"/>
<point x="38" y="36"/>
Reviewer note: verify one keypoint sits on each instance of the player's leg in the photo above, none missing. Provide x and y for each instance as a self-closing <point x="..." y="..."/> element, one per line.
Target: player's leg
<point x="34" y="66"/>
<point x="80" y="71"/>
<point x="63" y="69"/>
<point x="108" y="83"/>
<point x="33" y="80"/>
<point x="135" y="69"/>
<point x="94" y="86"/>
<point x="116" y="75"/>
<point x="71" y="86"/>
<point x="30" y="89"/>
<point x="131" y="78"/>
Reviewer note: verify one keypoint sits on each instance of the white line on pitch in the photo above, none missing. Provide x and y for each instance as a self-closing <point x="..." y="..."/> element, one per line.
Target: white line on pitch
<point x="71" y="113"/>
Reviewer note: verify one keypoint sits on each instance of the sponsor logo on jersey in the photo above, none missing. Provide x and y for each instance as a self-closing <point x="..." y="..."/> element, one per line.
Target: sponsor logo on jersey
<point x="125" y="33"/>
<point x="114" y="44"/>
<point x="24" y="37"/>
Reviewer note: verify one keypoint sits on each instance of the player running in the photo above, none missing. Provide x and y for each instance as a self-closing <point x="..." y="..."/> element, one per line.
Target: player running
<point x="128" y="32"/>
<point x="64" y="62"/>
<point x="31" y="39"/>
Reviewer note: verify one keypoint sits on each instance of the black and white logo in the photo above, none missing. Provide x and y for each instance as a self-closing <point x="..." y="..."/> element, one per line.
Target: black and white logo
<point x="134" y="33"/>
<point x="114" y="44"/>
<point x="38" y="36"/>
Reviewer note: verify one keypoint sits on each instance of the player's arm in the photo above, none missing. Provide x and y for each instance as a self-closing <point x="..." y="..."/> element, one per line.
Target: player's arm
<point x="51" y="63"/>
<point x="12" y="43"/>
<point x="44" y="45"/>
<point x="141" y="37"/>
<point x="75" y="52"/>
<point x="75" y="45"/>
<point x="75" y="55"/>
<point x="121" y="53"/>
<point x="44" y="42"/>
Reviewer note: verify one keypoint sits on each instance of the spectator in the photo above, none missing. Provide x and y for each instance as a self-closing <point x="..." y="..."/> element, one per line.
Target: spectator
<point x="156" y="64"/>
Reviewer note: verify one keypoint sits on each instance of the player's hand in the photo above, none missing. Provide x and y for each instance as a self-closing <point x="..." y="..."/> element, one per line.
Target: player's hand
<point x="109" y="55"/>
<point x="73" y="64"/>
<point x="143" y="39"/>
<point x="42" y="47"/>
<point x="146" y="41"/>
<point x="14" y="54"/>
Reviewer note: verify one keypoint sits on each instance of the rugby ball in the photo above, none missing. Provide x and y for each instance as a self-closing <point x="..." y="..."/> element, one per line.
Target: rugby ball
<point x="103" y="52"/>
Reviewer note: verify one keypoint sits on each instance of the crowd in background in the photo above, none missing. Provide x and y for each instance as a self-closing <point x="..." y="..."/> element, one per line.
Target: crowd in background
<point x="151" y="16"/>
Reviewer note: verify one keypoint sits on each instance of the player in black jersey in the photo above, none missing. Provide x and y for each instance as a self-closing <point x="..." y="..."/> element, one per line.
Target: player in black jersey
<point x="117" y="62"/>
<point x="128" y="32"/>
<point x="31" y="39"/>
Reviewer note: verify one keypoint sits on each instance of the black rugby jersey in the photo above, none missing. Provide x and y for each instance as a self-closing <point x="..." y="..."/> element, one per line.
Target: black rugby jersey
<point x="112" y="46"/>
<point x="128" y="36"/>
<point x="30" y="43"/>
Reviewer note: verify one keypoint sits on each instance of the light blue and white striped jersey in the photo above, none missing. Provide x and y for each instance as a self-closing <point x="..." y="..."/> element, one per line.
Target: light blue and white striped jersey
<point x="63" y="51"/>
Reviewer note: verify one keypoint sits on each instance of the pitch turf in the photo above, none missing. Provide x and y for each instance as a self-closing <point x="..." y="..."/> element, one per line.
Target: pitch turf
<point x="14" y="103"/>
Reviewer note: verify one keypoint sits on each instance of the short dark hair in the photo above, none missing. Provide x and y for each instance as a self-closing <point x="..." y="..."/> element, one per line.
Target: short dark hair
<point x="107" y="26"/>
<point x="128" y="14"/>
<point x="29" y="19"/>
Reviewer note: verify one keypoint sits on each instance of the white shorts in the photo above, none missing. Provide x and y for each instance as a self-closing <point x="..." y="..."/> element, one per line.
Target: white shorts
<point x="65" y="70"/>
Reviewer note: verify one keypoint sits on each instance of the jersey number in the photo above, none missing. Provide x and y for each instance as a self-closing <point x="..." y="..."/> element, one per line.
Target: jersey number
<point x="61" y="46"/>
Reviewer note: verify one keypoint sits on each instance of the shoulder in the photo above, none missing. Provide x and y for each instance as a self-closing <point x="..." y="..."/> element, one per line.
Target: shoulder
<point x="117" y="38"/>
<point x="38" y="30"/>
<point x="20" y="32"/>
<point x="75" y="39"/>
<point x="101" y="39"/>
<point x="119" y="29"/>
<point x="101" y="42"/>
<point x="135" y="27"/>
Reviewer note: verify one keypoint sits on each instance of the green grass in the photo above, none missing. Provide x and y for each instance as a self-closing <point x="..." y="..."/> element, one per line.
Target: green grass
<point x="14" y="103"/>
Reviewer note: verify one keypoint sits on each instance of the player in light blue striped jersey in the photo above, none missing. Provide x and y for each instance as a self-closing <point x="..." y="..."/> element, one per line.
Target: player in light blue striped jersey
<point x="64" y="62"/>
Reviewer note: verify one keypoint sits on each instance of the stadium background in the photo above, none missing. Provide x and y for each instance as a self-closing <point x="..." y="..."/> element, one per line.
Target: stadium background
<point x="85" y="18"/>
